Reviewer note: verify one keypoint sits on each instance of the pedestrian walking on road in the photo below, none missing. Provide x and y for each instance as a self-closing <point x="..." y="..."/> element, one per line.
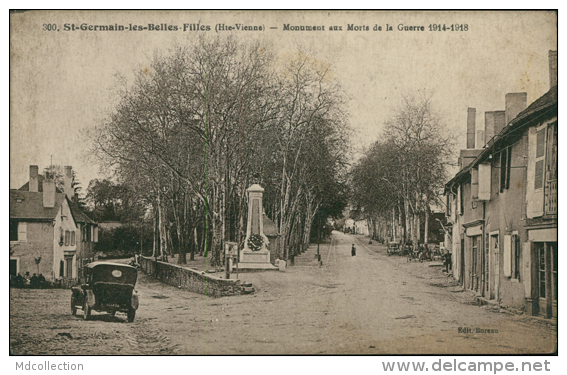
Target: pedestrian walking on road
<point x="353" y="250"/>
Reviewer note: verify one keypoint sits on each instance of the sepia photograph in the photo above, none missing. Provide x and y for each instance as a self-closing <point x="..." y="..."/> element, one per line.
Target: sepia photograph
<point x="196" y="183"/>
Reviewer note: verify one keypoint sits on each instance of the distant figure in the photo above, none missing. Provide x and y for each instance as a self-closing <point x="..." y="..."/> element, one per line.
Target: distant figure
<point x="41" y="280"/>
<point x="19" y="281"/>
<point x="353" y="250"/>
<point x="34" y="281"/>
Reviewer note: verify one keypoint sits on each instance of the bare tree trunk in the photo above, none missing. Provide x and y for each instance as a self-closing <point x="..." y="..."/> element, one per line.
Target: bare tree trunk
<point x="154" y="222"/>
<point x="162" y="229"/>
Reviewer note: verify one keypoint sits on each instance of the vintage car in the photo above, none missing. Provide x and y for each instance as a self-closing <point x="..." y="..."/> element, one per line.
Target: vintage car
<point x="109" y="288"/>
<point x="393" y="248"/>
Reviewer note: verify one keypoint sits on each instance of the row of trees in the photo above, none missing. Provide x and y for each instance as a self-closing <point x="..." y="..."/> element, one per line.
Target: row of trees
<point x="201" y="123"/>
<point x="401" y="176"/>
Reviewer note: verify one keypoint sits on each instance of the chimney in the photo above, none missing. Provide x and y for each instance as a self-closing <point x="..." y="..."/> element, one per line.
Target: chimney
<point x="480" y="139"/>
<point x="471" y="116"/>
<point x="488" y="126"/>
<point x="515" y="103"/>
<point x="552" y="68"/>
<point x="34" y="179"/>
<point x="69" y="191"/>
<point x="499" y="121"/>
<point x="48" y="193"/>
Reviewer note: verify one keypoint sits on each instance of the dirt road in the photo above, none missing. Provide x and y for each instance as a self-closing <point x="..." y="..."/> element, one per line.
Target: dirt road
<point x="367" y="304"/>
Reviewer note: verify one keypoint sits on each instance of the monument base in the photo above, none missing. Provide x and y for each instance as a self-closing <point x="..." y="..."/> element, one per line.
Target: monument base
<point x="255" y="261"/>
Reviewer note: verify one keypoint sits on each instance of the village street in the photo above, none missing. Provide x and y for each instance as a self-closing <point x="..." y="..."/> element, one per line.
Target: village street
<point x="367" y="304"/>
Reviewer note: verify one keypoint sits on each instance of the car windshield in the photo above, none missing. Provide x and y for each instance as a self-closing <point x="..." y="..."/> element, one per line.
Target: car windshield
<point x="114" y="274"/>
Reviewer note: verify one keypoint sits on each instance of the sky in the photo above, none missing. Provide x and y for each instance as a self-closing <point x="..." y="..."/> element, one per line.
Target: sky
<point x="62" y="82"/>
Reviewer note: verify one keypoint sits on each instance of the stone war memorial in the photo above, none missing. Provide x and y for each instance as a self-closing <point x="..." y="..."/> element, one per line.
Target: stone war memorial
<point x="255" y="254"/>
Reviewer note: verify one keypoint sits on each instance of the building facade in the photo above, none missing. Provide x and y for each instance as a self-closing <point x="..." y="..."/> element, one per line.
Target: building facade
<point x="502" y="206"/>
<point x="49" y="234"/>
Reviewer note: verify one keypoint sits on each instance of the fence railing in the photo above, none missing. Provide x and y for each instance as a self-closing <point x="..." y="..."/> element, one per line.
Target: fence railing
<point x="551" y="197"/>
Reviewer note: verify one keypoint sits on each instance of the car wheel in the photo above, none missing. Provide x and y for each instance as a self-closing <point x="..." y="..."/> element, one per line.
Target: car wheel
<point x="86" y="311"/>
<point x="131" y="314"/>
<point x="73" y="307"/>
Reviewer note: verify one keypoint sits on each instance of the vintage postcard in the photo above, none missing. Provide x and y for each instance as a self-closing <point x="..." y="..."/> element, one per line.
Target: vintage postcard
<point x="283" y="183"/>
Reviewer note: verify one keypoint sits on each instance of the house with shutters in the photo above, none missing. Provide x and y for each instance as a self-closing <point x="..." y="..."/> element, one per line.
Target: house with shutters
<point x="502" y="204"/>
<point x="49" y="234"/>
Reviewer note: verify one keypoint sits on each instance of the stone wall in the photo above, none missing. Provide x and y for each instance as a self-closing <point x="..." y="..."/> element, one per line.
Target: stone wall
<point x="192" y="280"/>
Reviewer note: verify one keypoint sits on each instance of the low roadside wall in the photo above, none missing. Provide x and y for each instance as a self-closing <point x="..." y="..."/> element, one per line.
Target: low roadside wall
<point x="195" y="281"/>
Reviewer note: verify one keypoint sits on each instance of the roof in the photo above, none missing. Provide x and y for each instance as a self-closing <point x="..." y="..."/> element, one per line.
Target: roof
<point x="40" y="178"/>
<point x="29" y="205"/>
<point x="94" y="264"/>
<point x="531" y="114"/>
<point x="78" y="214"/>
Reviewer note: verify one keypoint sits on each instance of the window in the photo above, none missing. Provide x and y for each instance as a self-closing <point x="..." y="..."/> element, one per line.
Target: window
<point x="505" y="164"/>
<point x="540" y="158"/>
<point x="67" y="237"/>
<point x="448" y="204"/>
<point x="13" y="230"/>
<point x="18" y="231"/>
<point x="73" y="238"/>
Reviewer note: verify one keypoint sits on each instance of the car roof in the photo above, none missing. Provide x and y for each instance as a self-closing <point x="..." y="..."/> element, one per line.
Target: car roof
<point x="110" y="264"/>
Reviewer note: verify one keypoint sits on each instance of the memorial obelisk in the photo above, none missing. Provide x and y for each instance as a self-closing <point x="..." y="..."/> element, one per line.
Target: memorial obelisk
<point x="255" y="254"/>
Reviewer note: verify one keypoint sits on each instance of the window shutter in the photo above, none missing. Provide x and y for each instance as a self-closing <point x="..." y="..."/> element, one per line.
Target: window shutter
<point x="540" y="158"/>
<point x="95" y="234"/>
<point x="484" y="182"/>
<point x="508" y="166"/>
<point x="461" y="201"/>
<point x="538" y="175"/>
<point x="507" y="256"/>
<point x="474" y="183"/>
<point x="72" y="238"/>
<point x="503" y="165"/>
<point x="22" y="232"/>
<point x="540" y="148"/>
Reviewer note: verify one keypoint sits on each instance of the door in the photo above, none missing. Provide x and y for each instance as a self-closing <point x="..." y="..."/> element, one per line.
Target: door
<point x="494" y="267"/>
<point x="497" y="270"/>
<point x="13" y="267"/>
<point x="486" y="271"/>
<point x="462" y="261"/>
<point x="69" y="267"/>
<point x="547" y="277"/>
<point x="474" y="263"/>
